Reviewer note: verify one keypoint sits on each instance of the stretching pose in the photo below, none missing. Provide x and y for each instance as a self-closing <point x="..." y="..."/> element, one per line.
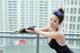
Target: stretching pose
<point x="56" y="38"/>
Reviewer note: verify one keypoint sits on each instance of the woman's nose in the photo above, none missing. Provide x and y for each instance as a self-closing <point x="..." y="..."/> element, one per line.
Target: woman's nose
<point x="51" y="21"/>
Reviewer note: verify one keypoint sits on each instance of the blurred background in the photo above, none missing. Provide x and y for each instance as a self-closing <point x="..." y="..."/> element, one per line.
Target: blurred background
<point x="16" y="14"/>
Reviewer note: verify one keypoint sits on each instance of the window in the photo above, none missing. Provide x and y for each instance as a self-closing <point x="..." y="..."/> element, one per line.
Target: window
<point x="78" y="27"/>
<point x="73" y="26"/>
<point x="66" y="26"/>
<point x="70" y="26"/>
<point x="74" y="18"/>
<point x="79" y="2"/>
<point x="71" y="18"/>
<point x="66" y="18"/>
<point x="72" y="2"/>
<point x="79" y="10"/>
<point x="78" y="42"/>
<point x="71" y="11"/>
<point x="67" y="10"/>
<point x="75" y="2"/>
<point x="67" y="1"/>
<point x="75" y="9"/>
<point x="78" y="18"/>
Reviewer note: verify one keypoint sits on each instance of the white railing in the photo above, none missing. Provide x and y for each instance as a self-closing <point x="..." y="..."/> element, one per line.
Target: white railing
<point x="72" y="39"/>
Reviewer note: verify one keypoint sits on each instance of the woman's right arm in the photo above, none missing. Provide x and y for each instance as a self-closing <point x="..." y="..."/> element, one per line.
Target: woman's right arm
<point x="25" y="30"/>
<point x="45" y="29"/>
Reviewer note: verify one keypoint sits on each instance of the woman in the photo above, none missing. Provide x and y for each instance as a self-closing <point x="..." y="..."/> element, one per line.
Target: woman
<point x="53" y="32"/>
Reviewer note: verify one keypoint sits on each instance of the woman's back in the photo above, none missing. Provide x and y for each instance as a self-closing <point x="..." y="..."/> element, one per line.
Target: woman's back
<point x="59" y="49"/>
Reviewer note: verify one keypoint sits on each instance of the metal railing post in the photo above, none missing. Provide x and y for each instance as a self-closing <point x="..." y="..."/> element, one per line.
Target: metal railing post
<point x="37" y="44"/>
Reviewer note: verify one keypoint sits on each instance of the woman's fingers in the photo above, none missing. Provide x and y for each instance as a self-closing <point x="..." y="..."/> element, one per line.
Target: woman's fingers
<point x="31" y="27"/>
<point x="31" y="31"/>
<point x="21" y="31"/>
<point x="17" y="32"/>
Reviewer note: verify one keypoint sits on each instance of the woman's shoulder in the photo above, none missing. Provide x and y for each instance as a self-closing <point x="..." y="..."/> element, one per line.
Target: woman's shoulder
<point x="60" y="33"/>
<point x="57" y="34"/>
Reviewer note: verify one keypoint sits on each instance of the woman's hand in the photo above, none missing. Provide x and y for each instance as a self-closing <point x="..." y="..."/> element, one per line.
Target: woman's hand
<point x="21" y="31"/>
<point x="31" y="29"/>
<point x="27" y="30"/>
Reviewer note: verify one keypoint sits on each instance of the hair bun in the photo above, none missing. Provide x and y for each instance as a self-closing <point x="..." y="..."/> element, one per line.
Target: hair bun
<point x="61" y="10"/>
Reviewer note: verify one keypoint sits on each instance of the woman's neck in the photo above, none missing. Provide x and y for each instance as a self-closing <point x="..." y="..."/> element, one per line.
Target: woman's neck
<point x="53" y="29"/>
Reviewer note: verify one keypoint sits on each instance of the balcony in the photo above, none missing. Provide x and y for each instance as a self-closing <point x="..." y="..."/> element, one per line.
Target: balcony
<point x="10" y="42"/>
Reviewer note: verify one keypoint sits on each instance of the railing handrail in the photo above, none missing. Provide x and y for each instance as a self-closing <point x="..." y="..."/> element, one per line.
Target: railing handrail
<point x="12" y="36"/>
<point x="33" y="33"/>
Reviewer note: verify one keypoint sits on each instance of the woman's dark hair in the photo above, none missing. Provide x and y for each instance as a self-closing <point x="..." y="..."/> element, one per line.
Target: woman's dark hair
<point x="60" y="14"/>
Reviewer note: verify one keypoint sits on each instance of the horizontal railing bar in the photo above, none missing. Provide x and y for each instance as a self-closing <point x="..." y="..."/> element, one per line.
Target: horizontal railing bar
<point x="25" y="37"/>
<point x="17" y="33"/>
<point x="35" y="33"/>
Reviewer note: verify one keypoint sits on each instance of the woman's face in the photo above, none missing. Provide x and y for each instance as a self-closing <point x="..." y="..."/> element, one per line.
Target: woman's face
<point x="54" y="21"/>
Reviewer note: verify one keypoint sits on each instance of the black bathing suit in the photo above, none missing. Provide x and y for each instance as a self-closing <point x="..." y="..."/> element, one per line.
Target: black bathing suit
<point x="59" y="49"/>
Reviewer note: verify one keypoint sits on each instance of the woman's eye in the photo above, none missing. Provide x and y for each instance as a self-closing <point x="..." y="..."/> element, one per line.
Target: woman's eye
<point x="51" y="19"/>
<point x="54" y="21"/>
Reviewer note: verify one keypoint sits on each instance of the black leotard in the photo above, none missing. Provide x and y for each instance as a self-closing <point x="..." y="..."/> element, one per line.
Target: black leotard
<point x="59" y="49"/>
